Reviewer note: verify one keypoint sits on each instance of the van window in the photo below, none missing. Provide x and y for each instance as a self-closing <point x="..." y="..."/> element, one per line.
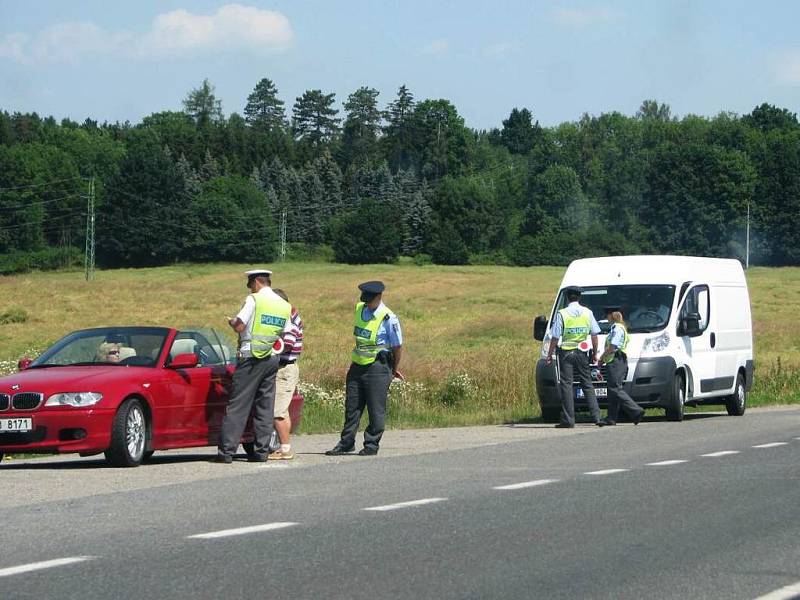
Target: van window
<point x="697" y="301"/>
<point x="645" y="308"/>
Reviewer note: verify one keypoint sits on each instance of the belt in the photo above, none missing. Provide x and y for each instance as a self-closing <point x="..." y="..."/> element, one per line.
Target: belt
<point x="284" y="362"/>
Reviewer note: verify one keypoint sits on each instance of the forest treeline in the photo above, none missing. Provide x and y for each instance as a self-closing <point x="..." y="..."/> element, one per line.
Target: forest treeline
<point x="374" y="181"/>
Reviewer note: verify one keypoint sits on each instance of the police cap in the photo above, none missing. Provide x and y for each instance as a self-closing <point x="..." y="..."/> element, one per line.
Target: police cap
<point x="612" y="308"/>
<point x="573" y="291"/>
<point x="372" y="287"/>
<point x="257" y="272"/>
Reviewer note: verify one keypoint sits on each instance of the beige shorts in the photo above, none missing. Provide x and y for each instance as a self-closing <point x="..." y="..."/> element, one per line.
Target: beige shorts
<point x="285" y="382"/>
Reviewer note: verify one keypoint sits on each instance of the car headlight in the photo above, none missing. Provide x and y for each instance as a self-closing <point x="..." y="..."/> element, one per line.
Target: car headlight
<point x="77" y="399"/>
<point x="655" y="344"/>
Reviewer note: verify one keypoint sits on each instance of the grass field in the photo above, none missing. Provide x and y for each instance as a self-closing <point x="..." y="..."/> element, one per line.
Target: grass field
<point x="469" y="355"/>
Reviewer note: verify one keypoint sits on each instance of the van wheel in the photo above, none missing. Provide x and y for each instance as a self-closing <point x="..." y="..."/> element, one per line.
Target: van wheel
<point x="128" y="435"/>
<point x="737" y="402"/>
<point x="550" y="414"/>
<point x="675" y="409"/>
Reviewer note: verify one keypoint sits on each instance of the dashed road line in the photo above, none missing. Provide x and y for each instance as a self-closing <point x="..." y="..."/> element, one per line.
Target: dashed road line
<point x="46" y="564"/>
<point x="606" y="471"/>
<point x="666" y="463"/>
<point x="405" y="504"/>
<point x="785" y="593"/>
<point x="525" y="484"/>
<point x="240" y="531"/>
<point x="721" y="453"/>
<point x="771" y="445"/>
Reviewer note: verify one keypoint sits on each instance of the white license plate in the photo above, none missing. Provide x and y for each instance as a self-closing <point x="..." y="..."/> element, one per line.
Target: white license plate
<point x="15" y="424"/>
<point x="598" y="392"/>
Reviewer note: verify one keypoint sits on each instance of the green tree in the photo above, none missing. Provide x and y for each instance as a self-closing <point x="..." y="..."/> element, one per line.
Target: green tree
<point x="264" y="111"/>
<point x="354" y="243"/>
<point x="399" y="131"/>
<point x="361" y="126"/>
<point x="314" y="119"/>
<point x="443" y="142"/>
<point x="233" y="223"/>
<point x="202" y="105"/>
<point x="519" y="133"/>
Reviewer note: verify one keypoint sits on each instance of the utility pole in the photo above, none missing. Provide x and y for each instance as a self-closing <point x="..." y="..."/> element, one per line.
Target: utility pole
<point x="283" y="234"/>
<point x="89" y="256"/>
<point x="747" y="240"/>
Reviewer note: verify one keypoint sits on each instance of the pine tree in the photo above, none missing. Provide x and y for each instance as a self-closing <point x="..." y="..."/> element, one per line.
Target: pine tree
<point x="264" y="110"/>
<point x="314" y="118"/>
<point x="202" y="105"/>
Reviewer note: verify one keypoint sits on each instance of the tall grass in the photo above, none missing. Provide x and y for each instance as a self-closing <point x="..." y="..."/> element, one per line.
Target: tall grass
<point x="469" y="354"/>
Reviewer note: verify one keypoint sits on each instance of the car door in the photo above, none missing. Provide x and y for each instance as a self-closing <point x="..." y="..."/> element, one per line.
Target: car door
<point x="697" y="346"/>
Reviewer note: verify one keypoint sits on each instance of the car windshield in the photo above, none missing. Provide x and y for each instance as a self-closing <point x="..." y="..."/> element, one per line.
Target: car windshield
<point x="645" y="308"/>
<point x="120" y="346"/>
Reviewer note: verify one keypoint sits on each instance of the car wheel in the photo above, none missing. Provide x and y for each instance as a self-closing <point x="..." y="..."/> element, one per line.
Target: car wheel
<point x="128" y="435"/>
<point x="147" y="455"/>
<point x="1" y="457"/>
<point x="675" y="409"/>
<point x="736" y="403"/>
<point x="550" y="414"/>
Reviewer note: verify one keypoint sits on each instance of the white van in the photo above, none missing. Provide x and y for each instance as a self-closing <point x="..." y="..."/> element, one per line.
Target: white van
<point x="691" y="339"/>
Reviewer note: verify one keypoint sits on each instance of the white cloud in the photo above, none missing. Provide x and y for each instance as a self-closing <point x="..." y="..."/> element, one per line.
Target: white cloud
<point x="435" y="47"/>
<point x="786" y="68"/>
<point x="179" y="33"/>
<point x="582" y="17"/>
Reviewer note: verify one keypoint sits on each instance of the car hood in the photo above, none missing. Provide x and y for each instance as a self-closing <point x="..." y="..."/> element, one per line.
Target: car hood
<point x="73" y="379"/>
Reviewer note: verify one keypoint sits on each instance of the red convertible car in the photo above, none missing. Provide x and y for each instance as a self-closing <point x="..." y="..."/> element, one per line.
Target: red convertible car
<point x="125" y="391"/>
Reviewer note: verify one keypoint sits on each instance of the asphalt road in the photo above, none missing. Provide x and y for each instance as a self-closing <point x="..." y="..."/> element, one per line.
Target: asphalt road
<point x="579" y="513"/>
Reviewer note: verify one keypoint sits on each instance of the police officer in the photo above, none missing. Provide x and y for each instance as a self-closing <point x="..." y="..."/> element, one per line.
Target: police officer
<point x="574" y="325"/>
<point x="260" y="324"/>
<point x="616" y="360"/>
<point x="375" y="361"/>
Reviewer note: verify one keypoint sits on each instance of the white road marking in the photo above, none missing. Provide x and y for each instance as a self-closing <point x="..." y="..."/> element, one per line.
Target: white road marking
<point x="721" y="453"/>
<point x="665" y="463"/>
<point x="47" y="564"/>
<point x="785" y="593"/>
<point x="406" y="504"/>
<point x="240" y="531"/>
<point x="771" y="445"/>
<point x="525" y="484"/>
<point x="606" y="471"/>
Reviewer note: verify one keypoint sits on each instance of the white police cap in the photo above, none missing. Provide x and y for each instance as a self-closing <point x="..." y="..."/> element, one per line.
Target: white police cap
<point x="256" y="272"/>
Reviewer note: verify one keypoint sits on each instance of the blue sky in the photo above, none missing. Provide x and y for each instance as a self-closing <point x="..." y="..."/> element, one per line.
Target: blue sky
<point x="123" y="60"/>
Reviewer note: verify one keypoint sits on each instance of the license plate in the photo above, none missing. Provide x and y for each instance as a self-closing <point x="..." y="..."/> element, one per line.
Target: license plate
<point x="599" y="392"/>
<point x="14" y="424"/>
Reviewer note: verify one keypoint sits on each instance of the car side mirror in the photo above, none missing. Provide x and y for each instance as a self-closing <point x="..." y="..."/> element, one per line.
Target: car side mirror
<point x="690" y="325"/>
<point x="184" y="361"/>
<point x="539" y="328"/>
<point x="24" y="363"/>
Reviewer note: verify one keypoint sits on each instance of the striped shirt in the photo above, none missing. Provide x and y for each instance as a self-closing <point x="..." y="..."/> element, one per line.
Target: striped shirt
<point x="293" y="338"/>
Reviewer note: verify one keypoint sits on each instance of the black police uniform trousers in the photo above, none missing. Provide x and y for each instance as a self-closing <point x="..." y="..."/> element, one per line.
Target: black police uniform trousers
<point x="253" y="388"/>
<point x="574" y="364"/>
<point x="367" y="385"/>
<point x="617" y="396"/>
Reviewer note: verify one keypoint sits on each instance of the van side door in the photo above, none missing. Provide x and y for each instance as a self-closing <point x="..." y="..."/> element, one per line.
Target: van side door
<point x="697" y="338"/>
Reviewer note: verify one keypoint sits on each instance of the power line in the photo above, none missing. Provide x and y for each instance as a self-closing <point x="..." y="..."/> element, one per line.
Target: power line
<point x="34" y="185"/>
<point x="21" y="225"/>
<point x="40" y="203"/>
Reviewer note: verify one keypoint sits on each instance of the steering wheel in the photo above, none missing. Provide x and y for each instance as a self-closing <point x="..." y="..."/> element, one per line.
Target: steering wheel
<point x="649" y="315"/>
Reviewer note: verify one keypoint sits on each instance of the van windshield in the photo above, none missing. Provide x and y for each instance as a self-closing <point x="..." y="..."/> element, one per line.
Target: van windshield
<point x="645" y="308"/>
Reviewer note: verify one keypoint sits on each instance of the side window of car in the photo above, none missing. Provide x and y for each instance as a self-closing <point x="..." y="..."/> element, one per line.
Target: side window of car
<point x="697" y="302"/>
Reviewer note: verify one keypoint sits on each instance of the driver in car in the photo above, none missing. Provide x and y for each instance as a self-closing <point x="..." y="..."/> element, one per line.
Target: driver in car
<point x="108" y="352"/>
<point x="651" y="309"/>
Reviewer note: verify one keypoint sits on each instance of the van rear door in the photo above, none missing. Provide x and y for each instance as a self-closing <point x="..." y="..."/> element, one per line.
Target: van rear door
<point x="697" y="337"/>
